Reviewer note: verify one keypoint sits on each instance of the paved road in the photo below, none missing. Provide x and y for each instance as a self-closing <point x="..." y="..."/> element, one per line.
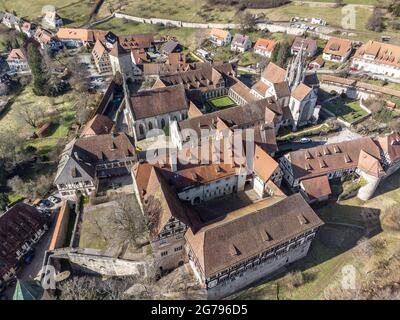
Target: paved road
<point x="344" y="135"/>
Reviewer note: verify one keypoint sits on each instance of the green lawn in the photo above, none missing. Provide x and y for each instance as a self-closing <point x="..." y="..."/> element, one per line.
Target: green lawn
<point x="346" y="109"/>
<point x="60" y="131"/>
<point x="222" y="102"/>
<point x="72" y="11"/>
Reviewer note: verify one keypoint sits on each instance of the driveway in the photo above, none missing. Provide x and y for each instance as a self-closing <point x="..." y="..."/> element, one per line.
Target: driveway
<point x="343" y="135"/>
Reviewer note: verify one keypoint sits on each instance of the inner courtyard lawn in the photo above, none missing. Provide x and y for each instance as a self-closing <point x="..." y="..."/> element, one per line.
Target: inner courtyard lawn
<point x="222" y="102"/>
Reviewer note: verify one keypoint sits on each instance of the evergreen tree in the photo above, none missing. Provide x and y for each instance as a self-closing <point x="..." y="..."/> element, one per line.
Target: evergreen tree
<point x="35" y="61"/>
<point x="282" y="54"/>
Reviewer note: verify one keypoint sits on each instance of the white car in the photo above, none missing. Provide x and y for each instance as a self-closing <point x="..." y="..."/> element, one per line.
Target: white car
<point x="305" y="140"/>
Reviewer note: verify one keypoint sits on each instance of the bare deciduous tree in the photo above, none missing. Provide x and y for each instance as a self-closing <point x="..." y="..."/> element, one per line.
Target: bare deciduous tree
<point x="31" y="116"/>
<point x="129" y="223"/>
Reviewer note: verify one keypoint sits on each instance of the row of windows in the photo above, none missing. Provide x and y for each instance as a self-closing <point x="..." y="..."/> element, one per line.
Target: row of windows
<point x="177" y="249"/>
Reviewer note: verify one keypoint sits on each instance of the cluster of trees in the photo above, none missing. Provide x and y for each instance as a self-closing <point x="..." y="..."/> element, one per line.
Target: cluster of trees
<point x="281" y="53"/>
<point x="43" y="83"/>
<point x="394" y="9"/>
<point x="12" y="39"/>
<point x="375" y="22"/>
<point x="256" y="4"/>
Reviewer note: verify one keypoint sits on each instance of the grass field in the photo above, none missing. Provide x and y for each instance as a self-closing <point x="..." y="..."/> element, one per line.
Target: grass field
<point x="186" y="36"/>
<point x="348" y="110"/>
<point x="334" y="246"/>
<point x="60" y="131"/>
<point x="73" y="11"/>
<point x="11" y="119"/>
<point x="222" y="102"/>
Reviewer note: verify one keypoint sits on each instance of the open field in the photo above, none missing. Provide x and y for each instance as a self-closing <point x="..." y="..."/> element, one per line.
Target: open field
<point x="335" y="245"/>
<point x="73" y="11"/>
<point x="188" y="10"/>
<point x="346" y="109"/>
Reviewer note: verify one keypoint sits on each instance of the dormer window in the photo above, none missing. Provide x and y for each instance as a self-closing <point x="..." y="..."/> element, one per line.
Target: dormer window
<point x="234" y="251"/>
<point x="302" y="219"/>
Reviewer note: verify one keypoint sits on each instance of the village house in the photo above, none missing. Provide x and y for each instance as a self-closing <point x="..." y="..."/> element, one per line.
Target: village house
<point x="220" y="37"/>
<point x="47" y="40"/>
<point x="264" y="47"/>
<point x="240" y="43"/>
<point x="310" y="46"/>
<point x="17" y="60"/>
<point x="10" y="20"/>
<point x="73" y="37"/>
<point x="21" y="227"/>
<point x="87" y="160"/>
<point x="337" y="50"/>
<point x="378" y="58"/>
<point x="28" y="28"/>
<point x="310" y="170"/>
<point x="111" y="56"/>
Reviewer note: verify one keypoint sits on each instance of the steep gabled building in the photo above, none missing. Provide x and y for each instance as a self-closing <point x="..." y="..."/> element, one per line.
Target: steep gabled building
<point x="88" y="159"/>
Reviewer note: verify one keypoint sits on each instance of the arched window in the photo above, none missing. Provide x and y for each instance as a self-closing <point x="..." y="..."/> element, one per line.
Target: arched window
<point x="150" y="126"/>
<point x="141" y="129"/>
<point x="162" y="123"/>
<point x="175" y="119"/>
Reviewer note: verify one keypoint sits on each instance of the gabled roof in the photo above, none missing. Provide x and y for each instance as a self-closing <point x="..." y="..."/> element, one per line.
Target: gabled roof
<point x="264" y="165"/>
<point x="240" y="39"/>
<point x="99" y="124"/>
<point x="383" y="53"/>
<point x="301" y="92"/>
<point x="80" y="156"/>
<point x="309" y="45"/>
<point x="370" y="165"/>
<point x="321" y="160"/>
<point x="75" y="34"/>
<point x="137" y="41"/>
<point x="390" y="145"/>
<point x="274" y="73"/>
<point x="219" y="33"/>
<point x="247" y="231"/>
<point x="155" y="102"/>
<point x="265" y="45"/>
<point x="317" y="187"/>
<point x="17" y="54"/>
<point x="261" y="87"/>
<point x="243" y="91"/>
<point x="338" y="47"/>
<point x="234" y="117"/>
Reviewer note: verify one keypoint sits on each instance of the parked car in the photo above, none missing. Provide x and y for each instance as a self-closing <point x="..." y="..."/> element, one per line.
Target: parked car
<point x="45" y="203"/>
<point x="305" y="140"/>
<point x="54" y="199"/>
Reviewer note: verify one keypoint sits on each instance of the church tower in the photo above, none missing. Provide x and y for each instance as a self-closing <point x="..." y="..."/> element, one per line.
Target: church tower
<point x="296" y="70"/>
